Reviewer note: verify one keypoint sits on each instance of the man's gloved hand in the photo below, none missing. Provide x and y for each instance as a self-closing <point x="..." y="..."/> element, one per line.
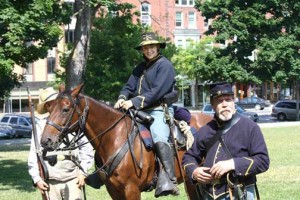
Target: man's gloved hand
<point x="119" y="103"/>
<point x="186" y="129"/>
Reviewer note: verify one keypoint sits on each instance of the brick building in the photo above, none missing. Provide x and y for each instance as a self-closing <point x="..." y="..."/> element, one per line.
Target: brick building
<point x="176" y="20"/>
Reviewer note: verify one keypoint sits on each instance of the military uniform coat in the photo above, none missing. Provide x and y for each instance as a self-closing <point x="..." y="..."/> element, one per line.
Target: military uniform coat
<point x="245" y="142"/>
<point x="147" y="89"/>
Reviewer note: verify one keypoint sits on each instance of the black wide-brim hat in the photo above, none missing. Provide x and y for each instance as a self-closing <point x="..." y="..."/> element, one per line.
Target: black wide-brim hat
<point x="150" y="38"/>
<point x="219" y="89"/>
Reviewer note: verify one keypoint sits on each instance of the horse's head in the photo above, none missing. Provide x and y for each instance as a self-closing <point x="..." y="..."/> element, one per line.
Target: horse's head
<point x="63" y="118"/>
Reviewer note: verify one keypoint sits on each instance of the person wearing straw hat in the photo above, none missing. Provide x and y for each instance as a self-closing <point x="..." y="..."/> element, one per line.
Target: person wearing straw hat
<point x="149" y="83"/>
<point x="66" y="177"/>
<point x="227" y="153"/>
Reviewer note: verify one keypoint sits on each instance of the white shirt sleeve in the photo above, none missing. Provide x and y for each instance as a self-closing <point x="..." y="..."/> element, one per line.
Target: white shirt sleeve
<point x="86" y="154"/>
<point x="33" y="167"/>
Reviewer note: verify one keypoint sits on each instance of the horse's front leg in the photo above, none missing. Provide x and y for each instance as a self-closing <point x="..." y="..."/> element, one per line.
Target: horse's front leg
<point x="124" y="192"/>
<point x="132" y="192"/>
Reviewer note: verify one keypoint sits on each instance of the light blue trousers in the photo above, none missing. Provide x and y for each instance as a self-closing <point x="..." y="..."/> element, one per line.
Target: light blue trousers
<point x="159" y="129"/>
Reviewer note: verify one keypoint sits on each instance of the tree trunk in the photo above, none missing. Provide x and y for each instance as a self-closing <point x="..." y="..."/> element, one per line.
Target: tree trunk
<point x="295" y="88"/>
<point x="78" y="57"/>
<point x="196" y="94"/>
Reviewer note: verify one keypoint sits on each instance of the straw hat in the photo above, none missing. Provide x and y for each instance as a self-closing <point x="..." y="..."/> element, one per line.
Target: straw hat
<point x="150" y="38"/>
<point x="46" y="95"/>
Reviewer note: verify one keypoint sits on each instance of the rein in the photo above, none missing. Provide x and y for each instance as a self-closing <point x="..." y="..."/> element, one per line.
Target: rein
<point x="113" y="160"/>
<point x="70" y="128"/>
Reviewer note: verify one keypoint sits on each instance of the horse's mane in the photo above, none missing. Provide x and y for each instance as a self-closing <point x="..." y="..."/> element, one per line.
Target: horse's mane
<point x="102" y="104"/>
<point x="107" y="107"/>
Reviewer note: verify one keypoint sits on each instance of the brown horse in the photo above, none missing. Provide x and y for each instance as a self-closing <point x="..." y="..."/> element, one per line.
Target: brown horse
<point x="109" y="131"/>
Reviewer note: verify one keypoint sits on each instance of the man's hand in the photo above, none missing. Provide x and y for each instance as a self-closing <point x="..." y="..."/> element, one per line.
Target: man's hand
<point x="119" y="103"/>
<point x="81" y="181"/>
<point x="184" y="127"/>
<point x="42" y="186"/>
<point x="202" y="175"/>
<point x="222" y="167"/>
<point x="127" y="104"/>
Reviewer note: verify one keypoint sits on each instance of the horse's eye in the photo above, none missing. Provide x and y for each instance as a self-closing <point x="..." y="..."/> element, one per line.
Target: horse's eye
<point x="65" y="110"/>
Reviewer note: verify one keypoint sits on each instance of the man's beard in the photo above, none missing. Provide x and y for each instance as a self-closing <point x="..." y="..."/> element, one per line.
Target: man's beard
<point x="225" y="114"/>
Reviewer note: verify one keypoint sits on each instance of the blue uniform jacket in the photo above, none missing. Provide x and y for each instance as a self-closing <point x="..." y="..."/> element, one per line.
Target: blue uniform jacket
<point x="245" y="142"/>
<point x="144" y="94"/>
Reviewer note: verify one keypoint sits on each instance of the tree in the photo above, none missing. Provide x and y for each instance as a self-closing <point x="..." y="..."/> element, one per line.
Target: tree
<point x="112" y="55"/>
<point x="268" y="28"/>
<point x="28" y="29"/>
<point x="190" y="63"/>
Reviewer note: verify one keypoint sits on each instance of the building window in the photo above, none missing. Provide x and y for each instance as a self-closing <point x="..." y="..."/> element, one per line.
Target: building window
<point x="179" y="43"/>
<point x="207" y="23"/>
<point x="192" y="20"/>
<point x="145" y="14"/>
<point x="51" y="65"/>
<point x="179" y="19"/>
<point x="28" y="70"/>
<point x="185" y="2"/>
<point x="69" y="36"/>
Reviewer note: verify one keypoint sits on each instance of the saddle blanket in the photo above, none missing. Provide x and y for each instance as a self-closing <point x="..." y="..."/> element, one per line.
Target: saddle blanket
<point x="146" y="136"/>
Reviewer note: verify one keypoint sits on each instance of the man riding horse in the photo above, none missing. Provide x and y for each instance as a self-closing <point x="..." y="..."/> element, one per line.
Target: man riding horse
<point x="149" y="83"/>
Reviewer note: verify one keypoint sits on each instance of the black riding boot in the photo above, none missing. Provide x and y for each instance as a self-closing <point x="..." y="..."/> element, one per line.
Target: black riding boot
<point x="167" y="181"/>
<point x="94" y="180"/>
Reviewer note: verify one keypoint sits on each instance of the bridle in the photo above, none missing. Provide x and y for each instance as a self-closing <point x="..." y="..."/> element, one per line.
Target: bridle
<point x="78" y="126"/>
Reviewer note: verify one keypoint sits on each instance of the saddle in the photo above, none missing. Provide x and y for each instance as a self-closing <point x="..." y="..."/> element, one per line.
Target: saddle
<point x="142" y="122"/>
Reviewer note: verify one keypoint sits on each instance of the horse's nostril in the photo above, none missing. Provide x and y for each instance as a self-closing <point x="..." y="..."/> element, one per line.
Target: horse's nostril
<point x="49" y="141"/>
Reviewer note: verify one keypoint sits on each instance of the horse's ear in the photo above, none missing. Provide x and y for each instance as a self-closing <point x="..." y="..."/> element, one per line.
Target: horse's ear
<point x="61" y="88"/>
<point x="77" y="89"/>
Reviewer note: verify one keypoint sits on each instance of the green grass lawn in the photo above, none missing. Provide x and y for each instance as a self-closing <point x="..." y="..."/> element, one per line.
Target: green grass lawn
<point x="281" y="181"/>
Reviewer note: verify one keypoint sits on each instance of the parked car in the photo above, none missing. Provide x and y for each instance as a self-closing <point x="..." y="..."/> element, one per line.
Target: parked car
<point x="286" y="110"/>
<point x="253" y="102"/>
<point x="21" y="124"/>
<point x="208" y="109"/>
<point x="6" y="132"/>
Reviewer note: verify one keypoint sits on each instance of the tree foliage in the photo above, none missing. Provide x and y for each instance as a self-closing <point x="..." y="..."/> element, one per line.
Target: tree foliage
<point x="112" y="55"/>
<point x="28" y="29"/>
<point x="268" y="28"/>
<point x="188" y="61"/>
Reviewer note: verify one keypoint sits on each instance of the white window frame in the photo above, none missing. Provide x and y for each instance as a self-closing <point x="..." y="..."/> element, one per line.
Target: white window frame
<point x="207" y="24"/>
<point x="179" y="43"/>
<point x="51" y="62"/>
<point x="69" y="35"/>
<point x="185" y="2"/>
<point x="145" y="14"/>
<point x="29" y="69"/>
<point x="192" y="23"/>
<point x="179" y="20"/>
